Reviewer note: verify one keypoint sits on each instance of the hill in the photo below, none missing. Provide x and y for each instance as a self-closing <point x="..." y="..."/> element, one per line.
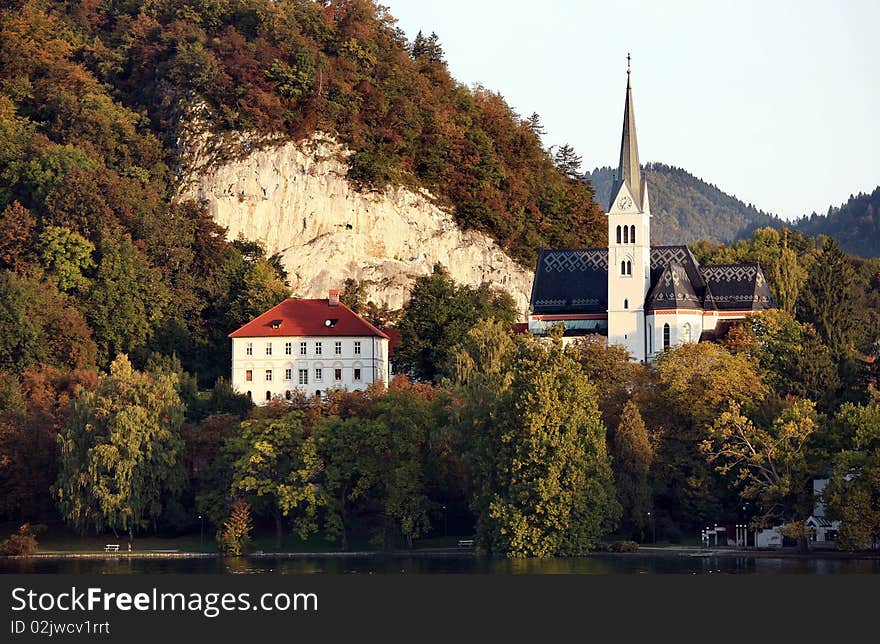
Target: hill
<point x="686" y="208"/>
<point x="855" y="224"/>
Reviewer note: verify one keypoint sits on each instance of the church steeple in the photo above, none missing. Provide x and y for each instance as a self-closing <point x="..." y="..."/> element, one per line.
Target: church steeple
<point x="629" y="171"/>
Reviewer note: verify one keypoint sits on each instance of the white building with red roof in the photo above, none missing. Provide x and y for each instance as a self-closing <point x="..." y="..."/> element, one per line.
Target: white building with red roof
<point x="310" y="345"/>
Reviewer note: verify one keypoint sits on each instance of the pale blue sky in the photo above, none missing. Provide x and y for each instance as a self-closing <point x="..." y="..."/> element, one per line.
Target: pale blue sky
<point x="777" y="102"/>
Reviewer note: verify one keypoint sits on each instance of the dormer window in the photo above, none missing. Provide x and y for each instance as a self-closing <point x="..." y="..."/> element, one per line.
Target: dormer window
<point x="331" y="322"/>
<point x="276" y="324"/>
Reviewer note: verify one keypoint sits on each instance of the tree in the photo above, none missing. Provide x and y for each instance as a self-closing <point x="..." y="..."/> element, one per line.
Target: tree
<point x="831" y="301"/>
<point x="126" y="300"/>
<point x="542" y="479"/>
<point x="16" y="238"/>
<point x="66" y="255"/>
<point x="568" y="161"/>
<point x="121" y="452"/>
<point x="271" y="465"/>
<point x="766" y="464"/>
<point x="534" y="124"/>
<point x="611" y="369"/>
<point x="438" y="316"/>
<point x="853" y="493"/>
<point x="262" y="289"/>
<point x="632" y="455"/>
<point x="788" y="277"/>
<point x="236" y="534"/>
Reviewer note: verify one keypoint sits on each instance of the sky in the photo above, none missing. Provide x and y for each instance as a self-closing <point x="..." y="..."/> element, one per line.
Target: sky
<point x="776" y="102"/>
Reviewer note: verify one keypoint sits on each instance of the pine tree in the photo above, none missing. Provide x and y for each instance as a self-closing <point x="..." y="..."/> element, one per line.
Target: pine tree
<point x="568" y="161"/>
<point x="534" y="124"/>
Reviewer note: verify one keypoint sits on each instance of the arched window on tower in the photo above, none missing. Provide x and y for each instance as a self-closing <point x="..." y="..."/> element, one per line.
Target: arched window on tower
<point x="632" y="234"/>
<point x="629" y="267"/>
<point x="618" y="234"/>
<point x="665" y="336"/>
<point x="626" y="234"/>
<point x="626" y="304"/>
<point x="623" y="268"/>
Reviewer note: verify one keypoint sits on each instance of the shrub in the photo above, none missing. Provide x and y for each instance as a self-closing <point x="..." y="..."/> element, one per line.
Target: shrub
<point x="623" y="546"/>
<point x="23" y="543"/>
<point x="236" y="534"/>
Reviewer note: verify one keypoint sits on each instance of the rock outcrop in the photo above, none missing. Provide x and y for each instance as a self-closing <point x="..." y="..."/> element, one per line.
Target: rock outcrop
<point x="296" y="199"/>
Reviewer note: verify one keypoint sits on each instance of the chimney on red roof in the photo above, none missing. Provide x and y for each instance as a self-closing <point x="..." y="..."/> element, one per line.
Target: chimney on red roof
<point x="333" y="300"/>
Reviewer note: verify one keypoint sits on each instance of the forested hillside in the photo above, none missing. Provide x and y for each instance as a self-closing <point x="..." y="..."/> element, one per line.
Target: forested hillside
<point x="855" y="224"/>
<point x="686" y="208"/>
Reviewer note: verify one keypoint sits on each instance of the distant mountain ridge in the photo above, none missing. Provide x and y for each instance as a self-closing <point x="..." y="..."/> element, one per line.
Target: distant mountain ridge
<point x="855" y="224"/>
<point x="686" y="208"/>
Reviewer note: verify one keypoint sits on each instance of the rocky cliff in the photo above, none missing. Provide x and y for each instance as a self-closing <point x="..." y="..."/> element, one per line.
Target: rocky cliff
<point x="296" y="199"/>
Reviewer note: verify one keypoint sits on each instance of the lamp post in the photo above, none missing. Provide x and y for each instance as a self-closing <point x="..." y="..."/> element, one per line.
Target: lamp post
<point x="202" y="532"/>
<point x="653" y="528"/>
<point x="445" y="524"/>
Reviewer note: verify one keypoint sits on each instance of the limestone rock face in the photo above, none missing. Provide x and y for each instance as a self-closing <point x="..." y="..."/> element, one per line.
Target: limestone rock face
<point x="296" y="199"/>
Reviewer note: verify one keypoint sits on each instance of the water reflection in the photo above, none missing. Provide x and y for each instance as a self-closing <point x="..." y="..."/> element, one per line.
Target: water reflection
<point x="395" y="565"/>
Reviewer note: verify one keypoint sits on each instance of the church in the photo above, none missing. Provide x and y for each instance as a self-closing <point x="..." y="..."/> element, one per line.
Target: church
<point x="646" y="298"/>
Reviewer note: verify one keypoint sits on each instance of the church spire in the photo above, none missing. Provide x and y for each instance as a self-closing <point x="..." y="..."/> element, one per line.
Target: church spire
<point x="628" y="171"/>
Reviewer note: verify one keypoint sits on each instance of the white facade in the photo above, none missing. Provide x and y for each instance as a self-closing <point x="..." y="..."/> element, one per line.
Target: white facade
<point x="629" y="271"/>
<point x="274" y="367"/>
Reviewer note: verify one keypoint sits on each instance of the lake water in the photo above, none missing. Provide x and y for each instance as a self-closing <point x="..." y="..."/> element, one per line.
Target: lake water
<point x="434" y="564"/>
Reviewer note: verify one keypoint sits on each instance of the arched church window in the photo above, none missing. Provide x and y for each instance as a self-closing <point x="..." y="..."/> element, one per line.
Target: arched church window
<point x="629" y="267"/>
<point x="618" y="234"/>
<point x="632" y="234"/>
<point x="623" y="268"/>
<point x="686" y="332"/>
<point x="268" y="395"/>
<point x="665" y="336"/>
<point x="626" y="304"/>
<point x="626" y="234"/>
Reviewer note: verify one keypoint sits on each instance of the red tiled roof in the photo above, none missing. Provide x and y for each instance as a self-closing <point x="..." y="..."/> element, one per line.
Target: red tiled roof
<point x="296" y="317"/>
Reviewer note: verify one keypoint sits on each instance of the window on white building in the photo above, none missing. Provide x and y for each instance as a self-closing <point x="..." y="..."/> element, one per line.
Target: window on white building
<point x="268" y="375"/>
<point x="319" y="374"/>
<point x="337" y="374"/>
<point x="357" y="347"/>
<point x="618" y="234"/>
<point x="303" y="350"/>
<point x="249" y="348"/>
<point x="626" y="304"/>
<point x="337" y="348"/>
<point x="288" y="374"/>
<point x="268" y="395"/>
<point x="248" y="375"/>
<point x="288" y="348"/>
<point x="268" y="348"/>
<point x="318" y="348"/>
<point x="357" y="375"/>
<point x="632" y="234"/>
<point x="623" y="268"/>
<point x="626" y="234"/>
<point x="665" y="336"/>
<point x="629" y="267"/>
<point x="303" y="376"/>
<point x="686" y="332"/>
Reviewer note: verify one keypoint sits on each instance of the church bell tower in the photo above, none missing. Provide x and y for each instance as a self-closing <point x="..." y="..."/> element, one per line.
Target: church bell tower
<point x="629" y="241"/>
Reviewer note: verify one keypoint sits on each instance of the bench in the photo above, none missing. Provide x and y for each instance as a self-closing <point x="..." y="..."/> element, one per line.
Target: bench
<point x="465" y="543"/>
<point x="111" y="547"/>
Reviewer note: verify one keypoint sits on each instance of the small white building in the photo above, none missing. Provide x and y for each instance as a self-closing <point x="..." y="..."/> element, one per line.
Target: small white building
<point x="307" y="344"/>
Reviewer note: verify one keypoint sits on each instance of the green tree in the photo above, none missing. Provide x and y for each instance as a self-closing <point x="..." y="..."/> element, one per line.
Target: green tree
<point x="66" y="255"/>
<point x="273" y="467"/>
<point x="767" y="464"/>
<point x="126" y="300"/>
<point x="121" y="451"/>
<point x="568" y="161"/>
<point x="632" y="455"/>
<point x="853" y="493"/>
<point x="438" y="316"/>
<point x="831" y="301"/>
<point x="542" y="478"/>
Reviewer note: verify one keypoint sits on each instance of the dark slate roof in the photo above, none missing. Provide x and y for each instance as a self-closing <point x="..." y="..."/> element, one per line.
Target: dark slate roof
<point x="673" y="290"/>
<point x="576" y="281"/>
<point x="571" y="281"/>
<point x="738" y="286"/>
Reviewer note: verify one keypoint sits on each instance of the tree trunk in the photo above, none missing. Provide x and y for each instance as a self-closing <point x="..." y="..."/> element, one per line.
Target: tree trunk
<point x="279" y="530"/>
